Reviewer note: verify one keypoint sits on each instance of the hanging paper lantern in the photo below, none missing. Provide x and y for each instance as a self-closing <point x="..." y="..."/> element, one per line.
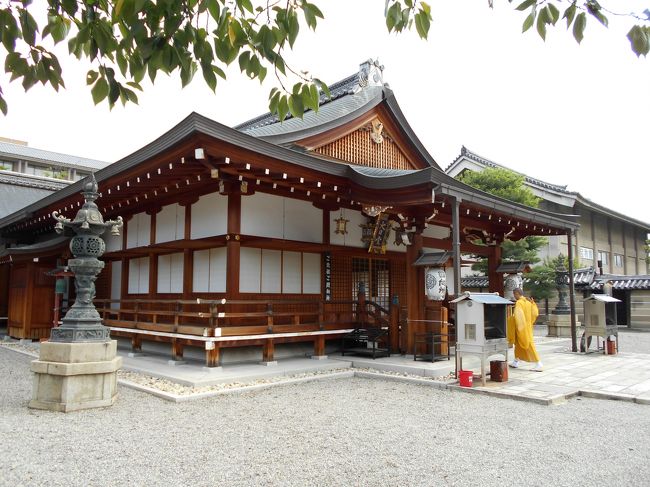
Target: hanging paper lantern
<point x="435" y="283"/>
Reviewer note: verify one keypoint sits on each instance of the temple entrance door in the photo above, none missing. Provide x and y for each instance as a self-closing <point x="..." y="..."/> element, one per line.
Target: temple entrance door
<point x="374" y="275"/>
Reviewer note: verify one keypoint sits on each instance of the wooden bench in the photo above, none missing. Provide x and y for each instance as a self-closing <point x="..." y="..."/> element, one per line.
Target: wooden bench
<point x="210" y="330"/>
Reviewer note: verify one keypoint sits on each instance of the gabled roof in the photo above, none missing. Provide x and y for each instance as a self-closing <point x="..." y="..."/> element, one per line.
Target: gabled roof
<point x="351" y="98"/>
<point x="25" y="153"/>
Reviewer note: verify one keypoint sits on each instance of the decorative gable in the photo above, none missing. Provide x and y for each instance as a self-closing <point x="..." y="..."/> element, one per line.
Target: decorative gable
<point x="369" y="145"/>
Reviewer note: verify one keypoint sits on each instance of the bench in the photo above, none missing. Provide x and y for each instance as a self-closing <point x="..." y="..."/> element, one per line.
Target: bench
<point x="365" y="341"/>
<point x="216" y="329"/>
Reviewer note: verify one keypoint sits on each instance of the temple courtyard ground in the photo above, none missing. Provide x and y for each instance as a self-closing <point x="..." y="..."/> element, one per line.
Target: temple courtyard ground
<point x="343" y="429"/>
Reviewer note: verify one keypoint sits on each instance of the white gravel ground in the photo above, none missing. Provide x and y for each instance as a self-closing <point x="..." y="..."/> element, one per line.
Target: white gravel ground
<point x="334" y="432"/>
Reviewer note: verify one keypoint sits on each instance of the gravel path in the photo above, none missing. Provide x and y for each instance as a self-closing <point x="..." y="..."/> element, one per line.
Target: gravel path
<point x="333" y="432"/>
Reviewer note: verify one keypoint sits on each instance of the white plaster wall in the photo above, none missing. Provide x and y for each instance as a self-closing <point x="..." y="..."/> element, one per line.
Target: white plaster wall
<point x="311" y="276"/>
<point x="273" y="216"/>
<point x="138" y="231"/>
<point x="291" y="272"/>
<point x="209" y="271"/>
<point x="170" y="273"/>
<point x="209" y="216"/>
<point x="170" y="223"/>
<point x="139" y="276"/>
<point x="250" y="268"/>
<point x="302" y="221"/>
<point x="113" y="243"/>
<point x="353" y="237"/>
<point x="116" y="282"/>
<point x="271" y="271"/>
<point x="263" y="215"/>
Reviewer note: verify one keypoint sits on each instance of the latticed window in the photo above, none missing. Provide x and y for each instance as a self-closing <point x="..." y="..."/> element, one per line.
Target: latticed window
<point x="374" y="274"/>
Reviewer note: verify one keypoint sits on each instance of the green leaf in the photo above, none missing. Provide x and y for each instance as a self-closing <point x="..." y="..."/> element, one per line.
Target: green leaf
<point x="323" y="87"/>
<point x="524" y="5"/>
<point x="542" y="19"/>
<point x="214" y="9"/>
<point x="294" y="27"/>
<point x="209" y="77"/>
<point x="579" y="27"/>
<point x="422" y="24"/>
<point x="3" y="106"/>
<point x="91" y="77"/>
<point x="639" y="37"/>
<point x="29" y="26"/>
<point x="283" y="108"/>
<point x="528" y="23"/>
<point x="569" y="14"/>
<point x="554" y="12"/>
<point x="295" y="106"/>
<point x="99" y="91"/>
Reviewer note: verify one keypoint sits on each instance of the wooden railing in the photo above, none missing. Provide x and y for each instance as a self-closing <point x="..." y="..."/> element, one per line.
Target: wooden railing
<point x="215" y="324"/>
<point x="203" y="316"/>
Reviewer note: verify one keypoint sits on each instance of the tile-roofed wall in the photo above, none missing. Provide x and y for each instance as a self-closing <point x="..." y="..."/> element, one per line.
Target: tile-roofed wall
<point x="464" y="152"/>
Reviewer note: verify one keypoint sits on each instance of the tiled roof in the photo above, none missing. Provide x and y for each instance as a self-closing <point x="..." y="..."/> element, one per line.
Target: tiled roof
<point x="581" y="278"/>
<point x="339" y="89"/>
<point x="464" y="152"/>
<point x="24" y="152"/>
<point x="13" y="197"/>
<point x="622" y="282"/>
<point x="474" y="282"/>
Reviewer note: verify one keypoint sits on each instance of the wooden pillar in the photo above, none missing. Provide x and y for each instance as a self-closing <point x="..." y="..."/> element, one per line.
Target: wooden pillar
<point x="233" y="245"/>
<point x="326" y="226"/>
<point x="153" y="258"/>
<point x="268" y="351"/>
<point x="188" y="256"/>
<point x="414" y="289"/>
<point x="572" y="298"/>
<point x="495" y="279"/>
<point x="213" y="356"/>
<point x="455" y="242"/>
<point x="393" y="327"/>
<point x="319" y="346"/>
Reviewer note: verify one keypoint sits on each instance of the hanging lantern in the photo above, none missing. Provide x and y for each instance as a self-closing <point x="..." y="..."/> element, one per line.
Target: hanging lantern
<point x="341" y="225"/>
<point x="435" y="283"/>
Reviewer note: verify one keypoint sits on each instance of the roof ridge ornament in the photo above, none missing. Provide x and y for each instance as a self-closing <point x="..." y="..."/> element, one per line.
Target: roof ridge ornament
<point x="371" y="73"/>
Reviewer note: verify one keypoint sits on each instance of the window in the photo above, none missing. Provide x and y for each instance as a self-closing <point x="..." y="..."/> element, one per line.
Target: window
<point x="586" y="253"/>
<point x="80" y="175"/>
<point x="603" y="257"/>
<point x="374" y="274"/>
<point x="6" y="166"/>
<point x="618" y="260"/>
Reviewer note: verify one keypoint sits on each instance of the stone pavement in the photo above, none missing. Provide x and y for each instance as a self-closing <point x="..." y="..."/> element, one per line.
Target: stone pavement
<point x="624" y="376"/>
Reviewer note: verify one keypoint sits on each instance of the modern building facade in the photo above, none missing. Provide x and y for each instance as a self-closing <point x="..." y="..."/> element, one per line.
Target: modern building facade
<point x="606" y="238"/>
<point x="28" y="174"/>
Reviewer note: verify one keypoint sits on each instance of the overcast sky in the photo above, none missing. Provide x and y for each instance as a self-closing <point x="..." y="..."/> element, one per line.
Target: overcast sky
<point x="563" y="113"/>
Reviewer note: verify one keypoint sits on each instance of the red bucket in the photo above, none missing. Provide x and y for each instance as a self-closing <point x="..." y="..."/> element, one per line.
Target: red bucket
<point x="465" y="378"/>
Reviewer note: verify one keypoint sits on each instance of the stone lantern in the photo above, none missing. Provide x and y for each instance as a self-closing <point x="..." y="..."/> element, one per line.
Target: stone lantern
<point x="77" y="367"/>
<point x="559" y="322"/>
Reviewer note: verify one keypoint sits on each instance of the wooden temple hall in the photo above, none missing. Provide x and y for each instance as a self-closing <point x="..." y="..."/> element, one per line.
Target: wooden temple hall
<point x="270" y="233"/>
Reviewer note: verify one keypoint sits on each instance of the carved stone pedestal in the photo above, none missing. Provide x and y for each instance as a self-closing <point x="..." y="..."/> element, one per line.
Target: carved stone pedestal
<point x="73" y="376"/>
<point x="560" y="325"/>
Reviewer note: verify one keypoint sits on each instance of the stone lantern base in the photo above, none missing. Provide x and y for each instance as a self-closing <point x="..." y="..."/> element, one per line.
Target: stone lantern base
<point x="73" y="376"/>
<point x="560" y="325"/>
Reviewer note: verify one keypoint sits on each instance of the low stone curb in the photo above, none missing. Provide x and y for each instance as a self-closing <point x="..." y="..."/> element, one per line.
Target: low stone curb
<point x="235" y="390"/>
<point x="396" y="378"/>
